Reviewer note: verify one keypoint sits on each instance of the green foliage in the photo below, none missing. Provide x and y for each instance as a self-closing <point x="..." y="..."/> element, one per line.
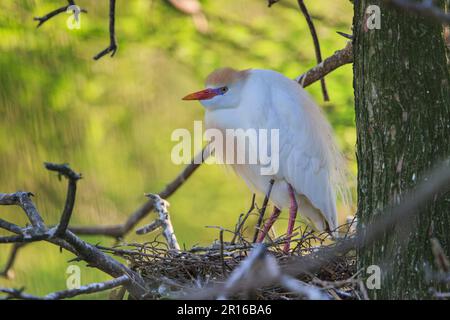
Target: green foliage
<point x="112" y="119"/>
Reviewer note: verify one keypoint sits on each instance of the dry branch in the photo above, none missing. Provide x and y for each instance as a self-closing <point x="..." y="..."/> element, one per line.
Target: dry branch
<point x="338" y="59"/>
<point x="263" y="210"/>
<point x="66" y="294"/>
<point x="163" y="221"/>
<point x="83" y="251"/>
<point x="261" y="269"/>
<point x="271" y="2"/>
<point x="7" y="271"/>
<point x="73" y="177"/>
<point x="112" y="48"/>
<point x="48" y="16"/>
<point x="312" y="30"/>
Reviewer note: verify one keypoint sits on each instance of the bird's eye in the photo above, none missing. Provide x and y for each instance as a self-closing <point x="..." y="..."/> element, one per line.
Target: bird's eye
<point x="224" y="90"/>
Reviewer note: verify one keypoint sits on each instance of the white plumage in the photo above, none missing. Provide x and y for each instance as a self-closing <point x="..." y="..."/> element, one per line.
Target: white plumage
<point x="309" y="159"/>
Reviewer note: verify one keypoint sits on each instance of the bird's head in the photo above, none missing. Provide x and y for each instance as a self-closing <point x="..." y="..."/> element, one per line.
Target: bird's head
<point x="223" y="89"/>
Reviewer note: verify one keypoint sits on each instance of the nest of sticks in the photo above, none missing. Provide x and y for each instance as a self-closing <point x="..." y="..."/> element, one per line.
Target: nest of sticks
<point x="240" y="269"/>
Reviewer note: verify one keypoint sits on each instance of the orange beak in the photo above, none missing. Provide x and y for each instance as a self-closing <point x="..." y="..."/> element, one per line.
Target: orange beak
<point x="202" y="95"/>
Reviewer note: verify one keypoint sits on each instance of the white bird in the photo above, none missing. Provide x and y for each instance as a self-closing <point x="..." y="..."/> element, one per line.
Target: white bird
<point x="311" y="169"/>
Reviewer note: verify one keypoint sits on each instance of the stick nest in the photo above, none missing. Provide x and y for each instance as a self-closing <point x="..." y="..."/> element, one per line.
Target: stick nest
<point x="201" y="272"/>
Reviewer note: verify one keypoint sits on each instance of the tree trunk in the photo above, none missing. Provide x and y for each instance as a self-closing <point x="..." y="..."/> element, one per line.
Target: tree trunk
<point x="402" y="104"/>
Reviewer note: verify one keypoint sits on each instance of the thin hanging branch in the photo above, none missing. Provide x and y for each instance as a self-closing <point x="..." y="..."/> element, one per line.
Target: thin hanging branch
<point x="312" y="30"/>
<point x="6" y="273"/>
<point x="42" y="19"/>
<point x="112" y="32"/>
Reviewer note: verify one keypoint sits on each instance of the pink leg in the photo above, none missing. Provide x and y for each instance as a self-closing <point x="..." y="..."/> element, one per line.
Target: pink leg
<point x="292" y="215"/>
<point x="273" y="217"/>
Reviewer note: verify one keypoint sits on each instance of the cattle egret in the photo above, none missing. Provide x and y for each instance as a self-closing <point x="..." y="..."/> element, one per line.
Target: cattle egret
<point x="311" y="169"/>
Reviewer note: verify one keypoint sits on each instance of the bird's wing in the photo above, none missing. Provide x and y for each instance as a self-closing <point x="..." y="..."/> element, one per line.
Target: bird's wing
<point x="308" y="154"/>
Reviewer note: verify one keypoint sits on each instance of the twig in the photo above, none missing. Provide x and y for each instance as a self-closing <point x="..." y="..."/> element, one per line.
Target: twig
<point x="55" y="12"/>
<point x="263" y="210"/>
<point x="73" y="177"/>
<point x="261" y="269"/>
<point x="312" y="30"/>
<point x="112" y="32"/>
<point x="243" y="220"/>
<point x="338" y="59"/>
<point x="65" y="294"/>
<point x="222" y="259"/>
<point x="69" y="241"/>
<point x="164" y="222"/>
<point x="8" y="225"/>
<point x="345" y="35"/>
<point x="12" y="258"/>
<point x="271" y="2"/>
<point x="301" y="288"/>
<point x="23" y="200"/>
<point x="255" y="271"/>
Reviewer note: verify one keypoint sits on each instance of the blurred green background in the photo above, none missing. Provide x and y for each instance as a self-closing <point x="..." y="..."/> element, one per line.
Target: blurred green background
<point x="112" y="119"/>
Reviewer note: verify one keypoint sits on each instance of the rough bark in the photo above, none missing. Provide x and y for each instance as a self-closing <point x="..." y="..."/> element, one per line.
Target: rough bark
<point x="402" y="105"/>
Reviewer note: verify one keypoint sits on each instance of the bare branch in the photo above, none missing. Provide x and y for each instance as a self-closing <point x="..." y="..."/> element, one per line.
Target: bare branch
<point x="255" y="271"/>
<point x="163" y="221"/>
<point x="8" y="225"/>
<point x="65" y="294"/>
<point x="73" y="177"/>
<point x="263" y="210"/>
<point x="27" y="238"/>
<point x="83" y="250"/>
<point x="301" y="288"/>
<point x="338" y="59"/>
<point x="112" y="32"/>
<point x="54" y="13"/>
<point x="271" y="2"/>
<point x="23" y="200"/>
<point x="312" y="30"/>
<point x="7" y="272"/>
